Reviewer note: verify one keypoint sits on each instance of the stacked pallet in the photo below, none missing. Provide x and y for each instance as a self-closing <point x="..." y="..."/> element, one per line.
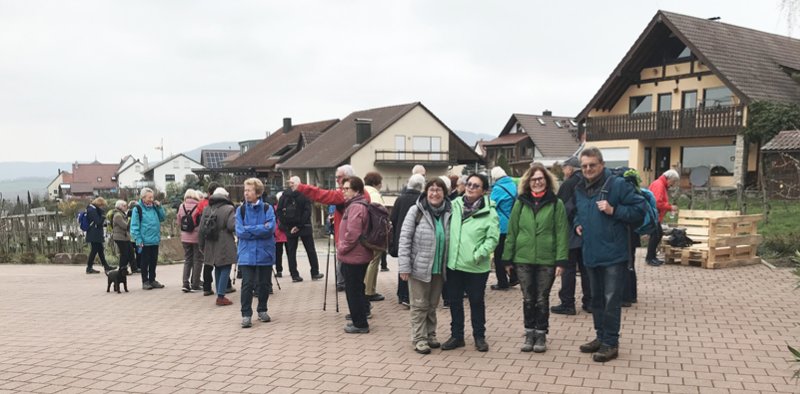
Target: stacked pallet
<point x="727" y="239"/>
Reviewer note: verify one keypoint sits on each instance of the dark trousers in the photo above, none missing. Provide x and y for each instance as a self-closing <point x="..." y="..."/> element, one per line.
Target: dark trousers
<point x="652" y="245"/>
<point x="384" y="264"/>
<point x="536" y="282"/>
<point x="256" y="277"/>
<point x="149" y="261"/>
<point x="402" y="289"/>
<point x="354" y="291"/>
<point x="607" y="286"/>
<point x="97" y="249"/>
<point x="291" y="252"/>
<point x="629" y="292"/>
<point x="125" y="254"/>
<point x="474" y="285"/>
<point x="279" y="247"/>
<point x="568" y="279"/>
<point x="136" y="263"/>
<point x="500" y="266"/>
<point x="208" y="277"/>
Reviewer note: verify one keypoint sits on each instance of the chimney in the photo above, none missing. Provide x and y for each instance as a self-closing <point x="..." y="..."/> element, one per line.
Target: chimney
<point x="547" y="112"/>
<point x="287" y="124"/>
<point x="363" y="130"/>
<point x="144" y="161"/>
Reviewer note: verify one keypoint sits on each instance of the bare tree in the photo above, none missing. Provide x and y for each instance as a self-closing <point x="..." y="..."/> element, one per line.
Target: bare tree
<point x="790" y="9"/>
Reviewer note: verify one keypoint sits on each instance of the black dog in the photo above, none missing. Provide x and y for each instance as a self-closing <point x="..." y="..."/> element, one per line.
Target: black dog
<point x="116" y="277"/>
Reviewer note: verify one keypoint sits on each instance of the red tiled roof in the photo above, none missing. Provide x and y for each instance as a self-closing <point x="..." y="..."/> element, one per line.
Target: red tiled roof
<point x="89" y="174"/>
<point x="261" y="155"/>
<point x="787" y="140"/>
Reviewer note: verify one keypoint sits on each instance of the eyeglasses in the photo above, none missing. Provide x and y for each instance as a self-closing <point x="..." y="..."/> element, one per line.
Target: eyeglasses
<point x="535" y="180"/>
<point x="471" y="185"/>
<point x="435" y="191"/>
<point x="590" y="165"/>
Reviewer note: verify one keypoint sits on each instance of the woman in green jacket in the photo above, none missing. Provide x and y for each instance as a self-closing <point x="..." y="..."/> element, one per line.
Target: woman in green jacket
<point x="537" y="241"/>
<point x="474" y="233"/>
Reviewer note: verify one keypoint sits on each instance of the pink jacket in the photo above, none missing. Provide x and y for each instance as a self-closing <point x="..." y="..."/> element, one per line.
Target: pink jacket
<point x="280" y="236"/>
<point x="187" y="206"/>
<point x="354" y="223"/>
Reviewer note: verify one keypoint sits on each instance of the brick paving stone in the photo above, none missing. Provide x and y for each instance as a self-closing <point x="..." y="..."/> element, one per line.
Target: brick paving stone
<point x="693" y="330"/>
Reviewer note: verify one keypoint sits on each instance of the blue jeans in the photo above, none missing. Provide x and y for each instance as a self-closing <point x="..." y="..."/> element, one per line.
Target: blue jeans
<point x="222" y="273"/>
<point x="256" y="277"/>
<point x="474" y="285"/>
<point x="607" y="285"/>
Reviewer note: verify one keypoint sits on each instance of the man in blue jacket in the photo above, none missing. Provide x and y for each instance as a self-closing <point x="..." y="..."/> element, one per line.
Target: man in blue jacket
<point x="504" y="193"/>
<point x="607" y="206"/>
<point x="255" y="228"/>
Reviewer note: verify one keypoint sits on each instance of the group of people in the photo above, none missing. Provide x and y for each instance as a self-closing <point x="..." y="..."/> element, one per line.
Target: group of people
<point x="446" y="231"/>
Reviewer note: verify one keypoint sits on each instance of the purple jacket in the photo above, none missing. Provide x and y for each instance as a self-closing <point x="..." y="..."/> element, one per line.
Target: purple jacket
<point x="354" y="223"/>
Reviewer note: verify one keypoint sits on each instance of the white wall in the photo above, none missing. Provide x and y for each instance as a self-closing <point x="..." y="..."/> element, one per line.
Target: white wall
<point x="129" y="177"/>
<point x="185" y="167"/>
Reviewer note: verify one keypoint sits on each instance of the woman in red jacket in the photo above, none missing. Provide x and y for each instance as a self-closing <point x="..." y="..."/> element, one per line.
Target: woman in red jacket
<point x="659" y="188"/>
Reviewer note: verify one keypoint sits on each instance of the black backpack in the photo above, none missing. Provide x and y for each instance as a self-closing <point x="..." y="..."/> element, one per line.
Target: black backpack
<point x="290" y="212"/>
<point x="208" y="226"/>
<point x="242" y="209"/>
<point x="188" y="223"/>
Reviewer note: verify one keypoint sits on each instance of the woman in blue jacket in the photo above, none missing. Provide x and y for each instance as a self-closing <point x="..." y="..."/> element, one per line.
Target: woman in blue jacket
<point x="146" y="232"/>
<point x="255" y="228"/>
<point x="94" y="235"/>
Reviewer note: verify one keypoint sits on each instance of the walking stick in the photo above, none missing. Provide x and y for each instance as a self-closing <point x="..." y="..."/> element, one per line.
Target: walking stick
<point x="275" y="275"/>
<point x="336" y="276"/>
<point x="327" y="266"/>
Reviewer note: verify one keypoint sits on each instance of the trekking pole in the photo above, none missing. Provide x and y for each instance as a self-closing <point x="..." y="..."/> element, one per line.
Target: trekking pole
<point x="275" y="275"/>
<point x="327" y="266"/>
<point x="336" y="276"/>
<point x="233" y="279"/>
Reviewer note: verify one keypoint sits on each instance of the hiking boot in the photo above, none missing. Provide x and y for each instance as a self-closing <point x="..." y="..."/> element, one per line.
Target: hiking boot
<point x="422" y="347"/>
<point x="264" y="317"/>
<point x="563" y="310"/>
<point x="376" y="297"/>
<point x="384" y="269"/>
<point x="156" y="285"/>
<point x="605" y="353"/>
<point x="279" y="274"/>
<point x="591" y="347"/>
<point x="356" y="330"/>
<point x="434" y="343"/>
<point x="92" y="271"/>
<point x="498" y="287"/>
<point x="452" y="343"/>
<point x="655" y="262"/>
<point x="530" y="337"/>
<point x="247" y="322"/>
<point x="540" y="341"/>
<point x="481" y="345"/>
<point x="187" y="289"/>
<point x="317" y="276"/>
<point x="208" y="293"/>
<point x="147" y="286"/>
<point x="223" y="301"/>
<point x="297" y="278"/>
<point x="586" y="308"/>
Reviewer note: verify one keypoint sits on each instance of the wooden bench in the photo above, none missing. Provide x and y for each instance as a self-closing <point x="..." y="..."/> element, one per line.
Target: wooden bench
<point x="727" y="239"/>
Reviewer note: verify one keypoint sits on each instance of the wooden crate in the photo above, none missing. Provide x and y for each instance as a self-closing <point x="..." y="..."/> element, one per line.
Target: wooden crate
<point x="727" y="239"/>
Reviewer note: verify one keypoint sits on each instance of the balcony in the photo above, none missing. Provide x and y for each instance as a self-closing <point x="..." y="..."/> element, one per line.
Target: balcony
<point x="685" y="123"/>
<point x="402" y="157"/>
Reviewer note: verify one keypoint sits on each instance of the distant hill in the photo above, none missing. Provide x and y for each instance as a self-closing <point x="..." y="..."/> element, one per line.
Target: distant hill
<point x="471" y="138"/>
<point x="20" y="187"/>
<point x="10" y="170"/>
<point x="194" y="154"/>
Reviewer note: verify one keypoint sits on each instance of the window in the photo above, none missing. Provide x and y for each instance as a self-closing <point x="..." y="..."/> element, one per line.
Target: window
<point x="541" y="121"/>
<point x="648" y="159"/>
<point x="665" y="102"/>
<point x="717" y="97"/>
<point x="186" y="164"/>
<point x="558" y="124"/>
<point x="616" y="157"/>
<point x="428" y="144"/>
<point x="573" y="123"/>
<point x="400" y="146"/>
<point x="169" y="177"/>
<point x="138" y="168"/>
<point x="520" y="129"/>
<point x="718" y="158"/>
<point x="641" y="104"/>
<point x="689" y="100"/>
<point x="176" y="164"/>
<point x="685" y="53"/>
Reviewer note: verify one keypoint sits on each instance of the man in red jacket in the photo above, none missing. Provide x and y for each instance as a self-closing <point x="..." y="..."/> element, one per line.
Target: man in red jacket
<point x="330" y="197"/>
<point x="659" y="188"/>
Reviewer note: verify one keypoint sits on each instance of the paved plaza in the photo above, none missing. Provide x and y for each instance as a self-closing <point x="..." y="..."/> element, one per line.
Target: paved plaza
<point x="692" y="331"/>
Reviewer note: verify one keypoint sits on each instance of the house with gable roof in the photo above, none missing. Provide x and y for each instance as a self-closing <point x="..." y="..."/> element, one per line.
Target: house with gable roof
<point x="170" y="170"/>
<point x="679" y="98"/>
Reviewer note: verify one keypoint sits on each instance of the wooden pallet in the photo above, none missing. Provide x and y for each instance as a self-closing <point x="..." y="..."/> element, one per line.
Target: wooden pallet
<point x="727" y="239"/>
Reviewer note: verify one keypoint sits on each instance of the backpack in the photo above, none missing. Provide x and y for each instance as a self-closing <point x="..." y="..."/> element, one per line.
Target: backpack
<point x="649" y="224"/>
<point x="188" y="223"/>
<point x="379" y="228"/>
<point x="110" y="220"/>
<point x="242" y="210"/>
<point x="83" y="221"/>
<point x="289" y="212"/>
<point x="208" y="225"/>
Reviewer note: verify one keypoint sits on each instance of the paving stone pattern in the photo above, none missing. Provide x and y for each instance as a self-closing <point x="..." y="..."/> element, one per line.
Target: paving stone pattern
<point x="692" y="331"/>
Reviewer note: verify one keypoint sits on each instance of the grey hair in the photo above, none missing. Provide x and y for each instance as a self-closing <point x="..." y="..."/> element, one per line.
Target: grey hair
<point x="671" y="174"/>
<point x="120" y="204"/>
<point x="145" y="191"/>
<point x="347" y="170"/>
<point x="416" y="182"/>
<point x="592" y="151"/>
<point x="418" y="169"/>
<point x="295" y="179"/>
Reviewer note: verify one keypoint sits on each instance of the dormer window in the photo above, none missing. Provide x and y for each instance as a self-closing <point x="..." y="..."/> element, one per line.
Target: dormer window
<point x="558" y="124"/>
<point x="520" y="129"/>
<point x="99" y="179"/>
<point x="541" y="121"/>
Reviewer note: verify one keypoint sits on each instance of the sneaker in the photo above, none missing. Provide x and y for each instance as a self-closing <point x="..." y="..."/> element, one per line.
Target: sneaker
<point x="513" y="283"/>
<point x="563" y="310"/>
<point x="356" y="330"/>
<point x="384" y="269"/>
<point x="498" y="287"/>
<point x="591" y="347"/>
<point x="187" y="289"/>
<point x="196" y="288"/>
<point x="422" y="347"/>
<point x="208" y="293"/>
<point x="434" y="343"/>
<point x="156" y="285"/>
<point x="348" y="317"/>
<point x="655" y="262"/>
<point x="605" y="353"/>
<point x="446" y="304"/>
<point x="279" y="274"/>
<point x="317" y="276"/>
<point x="264" y="317"/>
<point x="147" y="286"/>
<point x="230" y="290"/>
<point x="297" y="279"/>
<point x="223" y="301"/>
<point x="481" y="345"/>
<point x="540" y="342"/>
<point x="339" y="288"/>
<point x="92" y="271"/>
<point x="452" y="343"/>
<point x="530" y="338"/>
<point x="405" y="304"/>
<point x="247" y="322"/>
<point x="376" y="297"/>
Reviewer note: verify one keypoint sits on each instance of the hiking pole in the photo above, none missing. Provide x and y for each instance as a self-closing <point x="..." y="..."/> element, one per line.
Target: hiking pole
<point x="327" y="266"/>
<point x="336" y="275"/>
<point x="233" y="279"/>
<point x="275" y="275"/>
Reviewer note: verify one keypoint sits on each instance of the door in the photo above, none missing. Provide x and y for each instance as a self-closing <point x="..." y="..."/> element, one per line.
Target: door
<point x="664" y="111"/>
<point x="662" y="160"/>
<point x="688" y="109"/>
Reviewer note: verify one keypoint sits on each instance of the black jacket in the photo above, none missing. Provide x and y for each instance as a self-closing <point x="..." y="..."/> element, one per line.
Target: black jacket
<point x="97" y="220"/>
<point x="566" y="193"/>
<point x="408" y="198"/>
<point x="302" y="219"/>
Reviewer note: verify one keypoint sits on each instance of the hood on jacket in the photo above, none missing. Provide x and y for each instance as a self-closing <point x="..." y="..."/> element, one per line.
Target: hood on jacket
<point x="218" y="199"/>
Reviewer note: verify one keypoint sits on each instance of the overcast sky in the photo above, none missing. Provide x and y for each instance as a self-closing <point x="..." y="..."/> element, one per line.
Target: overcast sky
<point x="86" y="79"/>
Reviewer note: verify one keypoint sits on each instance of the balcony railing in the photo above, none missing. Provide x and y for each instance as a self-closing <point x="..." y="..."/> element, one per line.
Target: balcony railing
<point x="404" y="157"/>
<point x="696" y="122"/>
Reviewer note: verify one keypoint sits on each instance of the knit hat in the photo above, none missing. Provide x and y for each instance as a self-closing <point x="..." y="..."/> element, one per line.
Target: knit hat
<point x="498" y="172"/>
<point x="572" y="162"/>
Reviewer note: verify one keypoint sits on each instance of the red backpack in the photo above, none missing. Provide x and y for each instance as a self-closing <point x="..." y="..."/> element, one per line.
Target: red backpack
<point x="379" y="228"/>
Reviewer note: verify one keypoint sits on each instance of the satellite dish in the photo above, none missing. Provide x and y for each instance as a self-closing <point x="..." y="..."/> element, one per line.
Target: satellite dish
<point x="699" y="176"/>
